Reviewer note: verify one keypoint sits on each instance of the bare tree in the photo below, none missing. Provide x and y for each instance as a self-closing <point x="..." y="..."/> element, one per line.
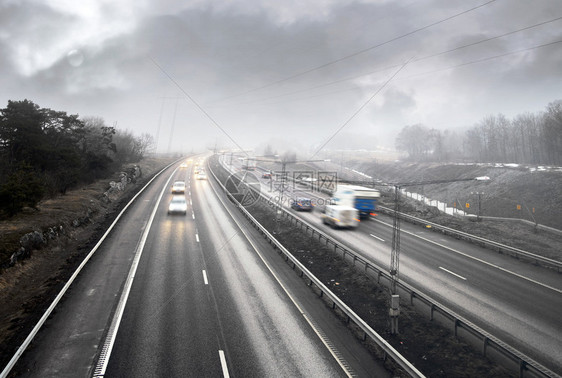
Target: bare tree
<point x="527" y="138"/>
<point x="415" y="140"/>
<point x="552" y="124"/>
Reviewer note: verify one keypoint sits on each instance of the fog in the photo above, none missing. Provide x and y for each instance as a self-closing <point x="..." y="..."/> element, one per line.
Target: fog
<point x="245" y="74"/>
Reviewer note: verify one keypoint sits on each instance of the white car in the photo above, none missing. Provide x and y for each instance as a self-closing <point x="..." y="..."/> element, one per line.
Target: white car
<point x="201" y="175"/>
<point x="178" y="187"/>
<point x="178" y="205"/>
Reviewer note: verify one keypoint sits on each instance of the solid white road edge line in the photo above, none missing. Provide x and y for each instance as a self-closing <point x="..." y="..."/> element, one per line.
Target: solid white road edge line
<point x="223" y="364"/>
<point x="480" y="260"/>
<point x="49" y="310"/>
<point x="453" y="273"/>
<point x="103" y="360"/>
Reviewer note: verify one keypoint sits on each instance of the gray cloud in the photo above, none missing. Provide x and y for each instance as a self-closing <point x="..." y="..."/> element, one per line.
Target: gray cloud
<point x="252" y="66"/>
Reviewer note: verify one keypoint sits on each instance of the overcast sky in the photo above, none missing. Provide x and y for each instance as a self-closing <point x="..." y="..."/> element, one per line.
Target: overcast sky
<point x="249" y="72"/>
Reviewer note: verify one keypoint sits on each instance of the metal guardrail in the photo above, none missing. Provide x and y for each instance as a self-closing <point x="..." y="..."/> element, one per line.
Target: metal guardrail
<point x="501" y="248"/>
<point x="324" y="291"/>
<point x="490" y="244"/>
<point x="526" y="366"/>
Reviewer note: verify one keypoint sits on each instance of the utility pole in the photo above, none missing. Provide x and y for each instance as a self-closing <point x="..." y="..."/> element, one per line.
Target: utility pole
<point x="395" y="252"/>
<point x="478" y="213"/>
<point x="173" y="121"/>
<point x="394" y="310"/>
<point x="283" y="180"/>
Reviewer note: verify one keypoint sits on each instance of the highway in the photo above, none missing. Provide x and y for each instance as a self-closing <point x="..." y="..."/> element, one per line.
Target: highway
<point x="517" y="302"/>
<point x="191" y="295"/>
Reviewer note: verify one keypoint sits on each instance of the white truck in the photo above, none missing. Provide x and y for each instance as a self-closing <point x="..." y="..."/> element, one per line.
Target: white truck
<point x="359" y="197"/>
<point x="339" y="216"/>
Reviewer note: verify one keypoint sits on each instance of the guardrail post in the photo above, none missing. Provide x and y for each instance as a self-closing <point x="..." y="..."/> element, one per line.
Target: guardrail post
<point x="457" y="322"/>
<point x="522" y="368"/>
<point x="431" y="310"/>
<point x="412" y="295"/>
<point x="485" y="346"/>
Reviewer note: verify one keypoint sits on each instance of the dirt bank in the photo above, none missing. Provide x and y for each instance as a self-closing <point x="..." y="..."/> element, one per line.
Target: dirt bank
<point x="70" y="226"/>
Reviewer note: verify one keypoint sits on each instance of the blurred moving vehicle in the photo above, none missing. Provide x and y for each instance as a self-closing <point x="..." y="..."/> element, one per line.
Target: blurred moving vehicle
<point x="362" y="198"/>
<point x="266" y="175"/>
<point x="249" y="164"/>
<point x="178" y="205"/>
<point x="302" y="204"/>
<point x="178" y="187"/>
<point x="339" y="216"/>
<point x="201" y="175"/>
<point x="183" y="165"/>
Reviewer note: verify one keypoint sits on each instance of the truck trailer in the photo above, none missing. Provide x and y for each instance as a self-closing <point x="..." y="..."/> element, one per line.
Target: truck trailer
<point x="362" y="198"/>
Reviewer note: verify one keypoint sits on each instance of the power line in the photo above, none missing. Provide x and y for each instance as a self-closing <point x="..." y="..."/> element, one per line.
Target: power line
<point x="488" y="39"/>
<point x="398" y="65"/>
<point x="413" y="75"/>
<point x="360" y="51"/>
<point x="360" y="108"/>
<point x="488" y="58"/>
<point x="195" y="103"/>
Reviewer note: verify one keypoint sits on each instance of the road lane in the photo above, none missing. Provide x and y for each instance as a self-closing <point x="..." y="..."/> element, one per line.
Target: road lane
<point x="249" y="299"/>
<point x="168" y="326"/>
<point x="177" y="324"/>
